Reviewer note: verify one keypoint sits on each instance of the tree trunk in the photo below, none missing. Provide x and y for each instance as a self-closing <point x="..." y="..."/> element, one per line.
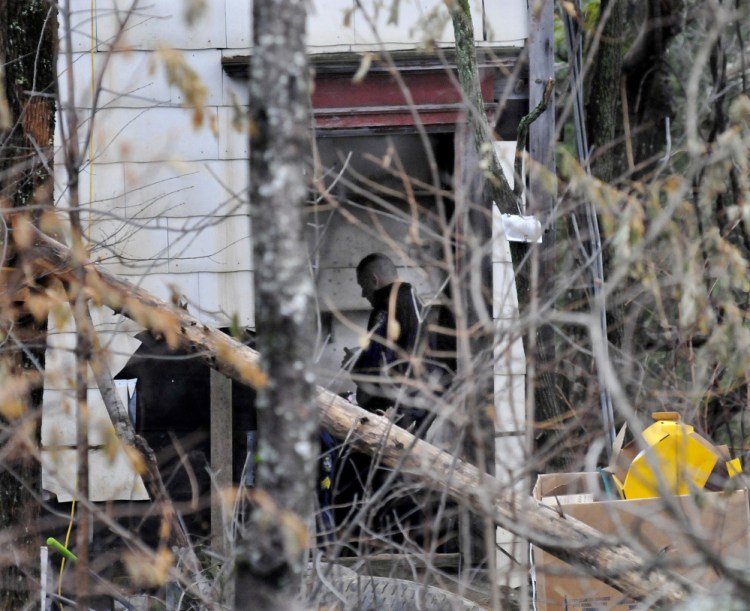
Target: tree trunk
<point x="541" y="351"/>
<point x="604" y="125"/>
<point x="27" y="41"/>
<point x="602" y="116"/>
<point x="271" y="559"/>
<point x="648" y="82"/>
<point x="563" y="536"/>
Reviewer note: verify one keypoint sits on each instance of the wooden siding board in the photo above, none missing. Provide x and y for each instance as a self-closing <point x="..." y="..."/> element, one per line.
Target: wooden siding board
<point x="233" y="142"/>
<point x="239" y="24"/>
<point x="153" y="134"/>
<point x="378" y="101"/>
<point x="504" y="297"/>
<point x="129" y="81"/>
<point x="510" y="403"/>
<point x="106" y="199"/>
<point x="109" y="480"/>
<point x="124" y="247"/>
<point x="183" y="189"/>
<point x="326" y="23"/>
<point x="511" y="458"/>
<point x="161" y="22"/>
<point x="505" y="22"/>
<point x="415" y="21"/>
<point x="508" y="353"/>
<point x="224" y="297"/>
<point x="430" y="88"/>
<point x="203" y="62"/>
<point x="206" y="244"/>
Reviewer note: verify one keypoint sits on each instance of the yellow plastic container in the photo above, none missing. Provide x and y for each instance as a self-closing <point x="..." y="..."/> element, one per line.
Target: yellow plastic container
<point x="675" y="461"/>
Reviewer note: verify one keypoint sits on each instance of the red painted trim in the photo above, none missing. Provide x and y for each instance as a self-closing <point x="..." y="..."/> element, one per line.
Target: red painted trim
<point x="378" y="101"/>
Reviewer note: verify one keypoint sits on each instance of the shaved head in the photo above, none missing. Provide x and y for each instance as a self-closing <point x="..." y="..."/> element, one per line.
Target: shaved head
<point x="380" y="264"/>
<point x="375" y="271"/>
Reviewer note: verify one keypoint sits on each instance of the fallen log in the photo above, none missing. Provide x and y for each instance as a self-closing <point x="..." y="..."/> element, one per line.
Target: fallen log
<point x="564" y="537"/>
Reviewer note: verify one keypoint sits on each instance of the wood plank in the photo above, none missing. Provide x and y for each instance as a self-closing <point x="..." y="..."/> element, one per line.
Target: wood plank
<point x="221" y="452"/>
<point x="378" y="100"/>
<point x="542" y="201"/>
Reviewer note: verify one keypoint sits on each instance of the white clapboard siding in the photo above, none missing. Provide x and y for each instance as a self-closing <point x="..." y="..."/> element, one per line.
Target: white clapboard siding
<point x="110" y="478"/>
<point x="333" y="25"/>
<point x="511" y="421"/>
<point x="506" y="23"/>
<point x="159" y="23"/>
<point x="415" y="21"/>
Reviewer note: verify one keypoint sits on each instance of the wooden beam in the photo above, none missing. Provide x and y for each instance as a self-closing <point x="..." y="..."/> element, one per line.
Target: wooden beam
<point x="377" y="101"/>
<point x="221" y="454"/>
<point x="541" y="203"/>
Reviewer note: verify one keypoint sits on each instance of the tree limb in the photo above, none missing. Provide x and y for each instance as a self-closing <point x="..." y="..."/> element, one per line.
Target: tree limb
<point x="468" y="77"/>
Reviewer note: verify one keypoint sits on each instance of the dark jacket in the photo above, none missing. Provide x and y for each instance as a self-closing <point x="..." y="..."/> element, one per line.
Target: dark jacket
<point x="387" y="356"/>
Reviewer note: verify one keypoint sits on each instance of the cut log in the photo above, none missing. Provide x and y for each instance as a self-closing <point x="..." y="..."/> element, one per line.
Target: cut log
<point x="564" y="537"/>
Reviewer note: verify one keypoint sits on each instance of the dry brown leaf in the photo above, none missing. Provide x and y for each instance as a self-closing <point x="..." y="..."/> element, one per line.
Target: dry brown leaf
<point x="38" y="304"/>
<point x="23" y="232"/>
<point x="12" y="409"/>
<point x="136" y="460"/>
<point x="269" y="515"/>
<point x="148" y="571"/>
<point x="50" y="224"/>
<point x="112" y="443"/>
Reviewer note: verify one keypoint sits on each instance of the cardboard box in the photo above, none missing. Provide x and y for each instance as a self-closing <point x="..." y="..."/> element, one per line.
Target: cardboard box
<point x="721" y="520"/>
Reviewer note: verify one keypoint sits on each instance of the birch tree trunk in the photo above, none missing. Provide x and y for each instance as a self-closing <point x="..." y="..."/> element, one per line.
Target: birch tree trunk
<point x="27" y="70"/>
<point x="272" y="554"/>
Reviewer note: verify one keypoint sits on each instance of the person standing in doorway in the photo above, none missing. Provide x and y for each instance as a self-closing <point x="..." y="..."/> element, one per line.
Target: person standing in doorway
<point x="386" y="372"/>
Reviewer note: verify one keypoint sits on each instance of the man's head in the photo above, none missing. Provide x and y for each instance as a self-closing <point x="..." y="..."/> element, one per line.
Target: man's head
<point x="374" y="272"/>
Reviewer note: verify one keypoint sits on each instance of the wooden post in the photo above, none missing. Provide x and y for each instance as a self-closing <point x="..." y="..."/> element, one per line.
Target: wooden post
<point x="221" y="454"/>
<point x="541" y="201"/>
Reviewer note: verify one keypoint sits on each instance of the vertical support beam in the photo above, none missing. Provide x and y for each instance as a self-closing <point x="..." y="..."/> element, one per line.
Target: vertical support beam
<point x="221" y="452"/>
<point x="541" y="199"/>
<point x="541" y="399"/>
<point x="474" y="269"/>
<point x="509" y="381"/>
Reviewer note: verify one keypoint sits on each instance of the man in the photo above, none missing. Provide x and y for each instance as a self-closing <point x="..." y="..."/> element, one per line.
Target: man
<point x="384" y="373"/>
<point x="389" y="372"/>
<point x="385" y="370"/>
